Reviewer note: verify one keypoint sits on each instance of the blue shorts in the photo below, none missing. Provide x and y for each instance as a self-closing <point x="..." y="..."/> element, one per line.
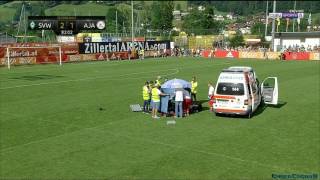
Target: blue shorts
<point x="155" y="105"/>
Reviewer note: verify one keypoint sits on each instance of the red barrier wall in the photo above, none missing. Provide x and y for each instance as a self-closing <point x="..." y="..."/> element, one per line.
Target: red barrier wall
<point x="297" y="56"/>
<point x="226" y="54"/>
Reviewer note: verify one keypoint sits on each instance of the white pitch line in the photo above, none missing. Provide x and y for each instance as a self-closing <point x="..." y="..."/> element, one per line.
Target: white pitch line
<point x="83" y="79"/>
<point x="90" y="78"/>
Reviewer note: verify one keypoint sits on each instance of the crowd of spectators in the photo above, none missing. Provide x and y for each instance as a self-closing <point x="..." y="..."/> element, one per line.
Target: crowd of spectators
<point x="302" y="48"/>
<point x="197" y="52"/>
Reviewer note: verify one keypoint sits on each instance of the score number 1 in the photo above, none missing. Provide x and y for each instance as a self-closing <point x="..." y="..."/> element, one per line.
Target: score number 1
<point x="67" y="25"/>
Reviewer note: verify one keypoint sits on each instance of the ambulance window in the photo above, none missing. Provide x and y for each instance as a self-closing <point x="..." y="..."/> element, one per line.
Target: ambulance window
<point x="249" y="90"/>
<point x="254" y="88"/>
<point x="230" y="89"/>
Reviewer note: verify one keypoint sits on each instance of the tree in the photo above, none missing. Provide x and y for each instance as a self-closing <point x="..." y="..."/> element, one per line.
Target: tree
<point x="178" y="7"/>
<point x="201" y="22"/>
<point x="237" y="40"/>
<point x="162" y="15"/>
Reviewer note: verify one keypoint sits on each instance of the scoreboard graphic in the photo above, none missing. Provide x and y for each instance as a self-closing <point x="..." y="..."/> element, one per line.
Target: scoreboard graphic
<point x="66" y="25"/>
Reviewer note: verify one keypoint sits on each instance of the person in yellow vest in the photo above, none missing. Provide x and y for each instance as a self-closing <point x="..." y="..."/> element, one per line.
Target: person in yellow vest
<point x="158" y="82"/>
<point x="194" y="87"/>
<point x="146" y="97"/>
<point x="142" y="53"/>
<point x="155" y="100"/>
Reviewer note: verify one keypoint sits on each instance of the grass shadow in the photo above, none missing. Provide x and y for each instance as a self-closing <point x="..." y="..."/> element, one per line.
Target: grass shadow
<point x="279" y="105"/>
<point x="37" y="77"/>
<point x="263" y="106"/>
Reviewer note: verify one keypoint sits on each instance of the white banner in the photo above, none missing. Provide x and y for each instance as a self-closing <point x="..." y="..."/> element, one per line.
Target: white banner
<point x="66" y="39"/>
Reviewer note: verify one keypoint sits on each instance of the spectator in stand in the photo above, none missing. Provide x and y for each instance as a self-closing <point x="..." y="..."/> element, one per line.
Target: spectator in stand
<point x="129" y="53"/>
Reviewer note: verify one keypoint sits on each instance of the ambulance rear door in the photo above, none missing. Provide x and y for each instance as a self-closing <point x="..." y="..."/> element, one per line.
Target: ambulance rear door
<point x="269" y="90"/>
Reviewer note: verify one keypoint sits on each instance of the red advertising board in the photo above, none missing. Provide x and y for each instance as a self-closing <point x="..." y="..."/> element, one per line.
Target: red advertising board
<point x="207" y="53"/>
<point x="112" y="56"/>
<point x="226" y="54"/>
<point x="2" y="52"/>
<point x="297" y="56"/>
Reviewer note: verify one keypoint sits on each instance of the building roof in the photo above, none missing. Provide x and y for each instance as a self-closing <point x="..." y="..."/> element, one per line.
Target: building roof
<point x="297" y="34"/>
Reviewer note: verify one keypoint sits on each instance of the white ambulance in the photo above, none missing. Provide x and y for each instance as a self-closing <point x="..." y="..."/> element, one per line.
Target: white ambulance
<point x="238" y="92"/>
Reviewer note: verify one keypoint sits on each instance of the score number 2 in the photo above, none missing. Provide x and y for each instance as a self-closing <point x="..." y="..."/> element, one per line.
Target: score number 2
<point x="67" y="25"/>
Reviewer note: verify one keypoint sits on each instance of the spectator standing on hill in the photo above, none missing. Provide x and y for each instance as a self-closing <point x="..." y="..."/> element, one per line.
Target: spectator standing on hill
<point x="129" y="53"/>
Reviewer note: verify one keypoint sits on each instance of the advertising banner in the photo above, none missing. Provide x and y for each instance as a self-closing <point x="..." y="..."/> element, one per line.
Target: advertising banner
<point x="65" y="39"/>
<point x="248" y="54"/>
<point x="273" y="55"/>
<point x="297" y="55"/>
<point x="2" y="52"/>
<point x="207" y="53"/>
<point x="105" y="47"/>
<point x="70" y="49"/>
<point x="23" y="60"/>
<point x="75" y="58"/>
<point x="112" y="56"/>
<point x="88" y="57"/>
<point x="226" y="54"/>
<point x="3" y="61"/>
<point x="314" y="56"/>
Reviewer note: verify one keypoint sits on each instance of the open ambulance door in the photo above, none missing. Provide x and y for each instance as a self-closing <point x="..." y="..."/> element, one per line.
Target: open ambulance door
<point x="269" y="90"/>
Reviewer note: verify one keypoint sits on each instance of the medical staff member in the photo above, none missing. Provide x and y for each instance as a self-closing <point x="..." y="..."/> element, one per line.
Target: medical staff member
<point x="155" y="100"/>
<point x="178" y="102"/>
<point x="194" y="87"/>
<point x="210" y="95"/>
<point x="146" y="97"/>
<point x="158" y="82"/>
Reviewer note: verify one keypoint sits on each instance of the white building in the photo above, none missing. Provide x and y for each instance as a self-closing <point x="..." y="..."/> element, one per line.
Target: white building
<point x="218" y="18"/>
<point x="245" y="30"/>
<point x="229" y="16"/>
<point x="287" y="39"/>
<point x="201" y="8"/>
<point x="177" y="15"/>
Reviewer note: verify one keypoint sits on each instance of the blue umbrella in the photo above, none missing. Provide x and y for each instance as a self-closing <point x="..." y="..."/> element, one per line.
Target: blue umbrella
<point x="176" y="83"/>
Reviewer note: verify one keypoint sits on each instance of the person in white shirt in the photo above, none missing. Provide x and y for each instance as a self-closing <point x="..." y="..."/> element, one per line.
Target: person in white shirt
<point x="211" y="90"/>
<point x="210" y="95"/>
<point x="178" y="102"/>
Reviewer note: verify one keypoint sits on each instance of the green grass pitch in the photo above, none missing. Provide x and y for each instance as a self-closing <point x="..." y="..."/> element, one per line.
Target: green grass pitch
<point x="51" y="126"/>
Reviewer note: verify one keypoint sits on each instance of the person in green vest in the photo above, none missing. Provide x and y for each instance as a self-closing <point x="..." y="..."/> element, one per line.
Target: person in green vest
<point x="146" y="97"/>
<point x="158" y="82"/>
<point x="194" y="87"/>
<point x="155" y="100"/>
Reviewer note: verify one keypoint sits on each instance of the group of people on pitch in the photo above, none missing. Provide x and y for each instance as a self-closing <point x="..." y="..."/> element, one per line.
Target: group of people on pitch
<point x="158" y="101"/>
